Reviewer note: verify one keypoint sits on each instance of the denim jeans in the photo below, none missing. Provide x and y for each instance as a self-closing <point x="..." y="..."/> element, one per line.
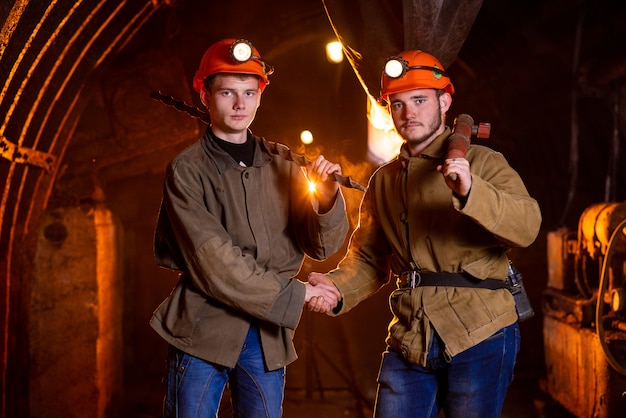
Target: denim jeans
<point x="472" y="384"/>
<point x="195" y="386"/>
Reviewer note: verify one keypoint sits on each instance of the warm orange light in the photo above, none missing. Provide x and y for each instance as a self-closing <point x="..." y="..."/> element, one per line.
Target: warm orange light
<point x="306" y="137"/>
<point x="312" y="186"/>
<point x="382" y="139"/>
<point x="334" y="52"/>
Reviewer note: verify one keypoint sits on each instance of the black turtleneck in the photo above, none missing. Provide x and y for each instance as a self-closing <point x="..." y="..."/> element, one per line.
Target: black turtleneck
<point x="242" y="153"/>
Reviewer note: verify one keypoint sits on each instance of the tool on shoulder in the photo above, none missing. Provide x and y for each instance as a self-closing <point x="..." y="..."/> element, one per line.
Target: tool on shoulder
<point x="459" y="140"/>
<point x="181" y="106"/>
<point x="273" y="147"/>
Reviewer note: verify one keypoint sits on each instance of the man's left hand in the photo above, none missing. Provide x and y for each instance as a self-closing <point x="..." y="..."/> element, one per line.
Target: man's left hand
<point x="461" y="168"/>
<point x="326" y="188"/>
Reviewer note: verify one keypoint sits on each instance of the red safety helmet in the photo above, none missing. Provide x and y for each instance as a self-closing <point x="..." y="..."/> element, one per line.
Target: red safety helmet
<point x="232" y="56"/>
<point x="413" y="70"/>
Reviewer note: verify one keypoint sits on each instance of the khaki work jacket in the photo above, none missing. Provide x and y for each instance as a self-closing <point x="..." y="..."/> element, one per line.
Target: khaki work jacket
<point x="409" y="217"/>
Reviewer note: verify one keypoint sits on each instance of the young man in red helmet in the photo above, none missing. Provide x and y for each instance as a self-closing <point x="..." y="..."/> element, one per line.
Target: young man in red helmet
<point x="453" y="341"/>
<point x="236" y="221"/>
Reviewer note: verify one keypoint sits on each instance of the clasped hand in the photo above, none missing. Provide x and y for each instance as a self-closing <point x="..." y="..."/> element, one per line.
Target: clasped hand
<point x="321" y="293"/>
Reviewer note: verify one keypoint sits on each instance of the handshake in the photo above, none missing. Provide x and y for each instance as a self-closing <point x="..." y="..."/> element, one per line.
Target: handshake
<point x="321" y="293"/>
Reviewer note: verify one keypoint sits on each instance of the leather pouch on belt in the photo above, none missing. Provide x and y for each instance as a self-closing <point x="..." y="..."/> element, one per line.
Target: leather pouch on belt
<point x="516" y="286"/>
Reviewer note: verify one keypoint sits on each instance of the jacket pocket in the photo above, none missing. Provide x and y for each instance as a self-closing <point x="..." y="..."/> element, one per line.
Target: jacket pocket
<point x="487" y="306"/>
<point x="182" y="312"/>
<point x="407" y="332"/>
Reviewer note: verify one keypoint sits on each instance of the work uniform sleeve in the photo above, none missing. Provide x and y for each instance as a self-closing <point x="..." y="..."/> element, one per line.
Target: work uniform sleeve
<point x="320" y="235"/>
<point x="365" y="268"/>
<point x="500" y="203"/>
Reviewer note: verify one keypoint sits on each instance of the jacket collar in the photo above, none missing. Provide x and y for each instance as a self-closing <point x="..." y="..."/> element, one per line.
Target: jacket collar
<point x="223" y="161"/>
<point x="435" y="151"/>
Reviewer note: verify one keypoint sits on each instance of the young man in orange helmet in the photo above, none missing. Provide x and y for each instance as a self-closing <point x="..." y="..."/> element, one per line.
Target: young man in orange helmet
<point x="236" y="221"/>
<point x="454" y="338"/>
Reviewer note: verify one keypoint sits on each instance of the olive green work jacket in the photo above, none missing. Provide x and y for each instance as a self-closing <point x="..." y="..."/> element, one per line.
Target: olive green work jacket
<point x="238" y="235"/>
<point x="409" y="217"/>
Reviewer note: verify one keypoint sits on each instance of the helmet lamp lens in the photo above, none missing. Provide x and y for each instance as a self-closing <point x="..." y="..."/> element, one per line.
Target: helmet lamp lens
<point x="241" y="51"/>
<point x="395" y="67"/>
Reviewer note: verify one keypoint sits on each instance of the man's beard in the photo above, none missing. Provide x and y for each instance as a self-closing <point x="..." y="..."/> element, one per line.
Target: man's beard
<point x="431" y="127"/>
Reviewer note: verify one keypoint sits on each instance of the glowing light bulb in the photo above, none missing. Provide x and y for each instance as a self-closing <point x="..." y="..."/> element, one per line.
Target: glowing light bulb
<point x="306" y="137"/>
<point x="334" y="52"/>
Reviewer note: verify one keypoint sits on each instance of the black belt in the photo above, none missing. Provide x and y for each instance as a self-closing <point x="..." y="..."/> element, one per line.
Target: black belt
<point x="412" y="279"/>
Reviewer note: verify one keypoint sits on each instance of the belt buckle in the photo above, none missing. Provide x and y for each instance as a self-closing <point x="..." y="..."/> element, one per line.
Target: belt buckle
<point x="415" y="279"/>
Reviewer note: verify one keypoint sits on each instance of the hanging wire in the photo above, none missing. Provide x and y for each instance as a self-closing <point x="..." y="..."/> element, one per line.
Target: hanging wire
<point x="573" y="162"/>
<point x="610" y="188"/>
<point x="600" y="302"/>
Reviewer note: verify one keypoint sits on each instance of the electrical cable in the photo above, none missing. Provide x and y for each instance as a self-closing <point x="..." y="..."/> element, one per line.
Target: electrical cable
<point x="600" y="302"/>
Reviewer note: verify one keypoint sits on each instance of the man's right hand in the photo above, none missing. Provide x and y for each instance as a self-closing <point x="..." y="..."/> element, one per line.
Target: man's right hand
<point x="321" y="293"/>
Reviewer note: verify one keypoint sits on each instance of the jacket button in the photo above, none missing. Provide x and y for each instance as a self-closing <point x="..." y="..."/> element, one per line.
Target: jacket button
<point x="246" y="175"/>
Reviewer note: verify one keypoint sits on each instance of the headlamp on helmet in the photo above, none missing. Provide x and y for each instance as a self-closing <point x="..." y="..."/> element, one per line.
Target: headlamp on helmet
<point x="242" y="51"/>
<point x="397" y="67"/>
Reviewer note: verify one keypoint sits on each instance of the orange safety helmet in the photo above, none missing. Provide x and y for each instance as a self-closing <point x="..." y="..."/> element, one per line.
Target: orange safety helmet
<point x="225" y="56"/>
<point x="413" y="70"/>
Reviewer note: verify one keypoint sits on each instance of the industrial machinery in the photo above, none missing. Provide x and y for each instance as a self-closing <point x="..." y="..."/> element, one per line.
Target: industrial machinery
<point x="584" y="307"/>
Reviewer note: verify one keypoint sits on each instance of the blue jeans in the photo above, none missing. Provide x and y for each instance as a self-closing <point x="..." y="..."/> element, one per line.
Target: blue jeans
<point x="472" y="384"/>
<point x="195" y="386"/>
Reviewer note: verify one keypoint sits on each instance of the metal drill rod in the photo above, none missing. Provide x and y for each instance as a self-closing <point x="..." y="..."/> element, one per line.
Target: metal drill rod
<point x="275" y="148"/>
<point x="302" y="161"/>
<point x="192" y="111"/>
